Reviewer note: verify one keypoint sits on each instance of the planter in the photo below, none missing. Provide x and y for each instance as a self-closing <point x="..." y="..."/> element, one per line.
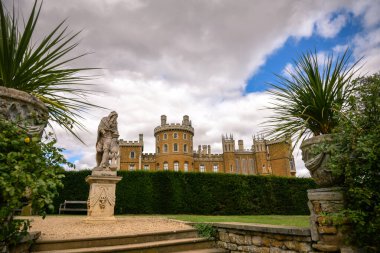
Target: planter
<point x="316" y="163"/>
<point x="25" y="110"/>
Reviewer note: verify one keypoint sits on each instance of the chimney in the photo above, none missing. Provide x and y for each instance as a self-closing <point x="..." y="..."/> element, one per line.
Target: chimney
<point x="209" y="149"/>
<point x="163" y="120"/>
<point x="185" y="120"/>
<point x="241" y="145"/>
<point x="141" y="138"/>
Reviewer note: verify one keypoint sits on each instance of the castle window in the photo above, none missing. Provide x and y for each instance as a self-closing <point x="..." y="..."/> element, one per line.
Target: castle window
<point x="237" y="165"/>
<point x="146" y="166"/>
<point x="185" y="136"/>
<point x="132" y="155"/>
<point x="166" y="166"/>
<point x="175" y="136"/>
<point x="252" y="166"/>
<point x="215" y="168"/>
<point x="131" y="167"/>
<point x="186" y="167"/>
<point x="165" y="136"/>
<point x="264" y="169"/>
<point x="176" y="166"/>
<point x="185" y="148"/>
<point x="244" y="166"/>
<point x="201" y="168"/>
<point x="165" y="148"/>
<point x="175" y="147"/>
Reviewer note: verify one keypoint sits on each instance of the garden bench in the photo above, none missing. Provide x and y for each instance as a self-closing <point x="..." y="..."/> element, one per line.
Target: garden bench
<point x="72" y="206"/>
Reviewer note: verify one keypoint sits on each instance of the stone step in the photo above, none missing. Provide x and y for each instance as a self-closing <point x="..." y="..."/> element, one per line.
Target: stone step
<point x="176" y="245"/>
<point x="50" y="245"/>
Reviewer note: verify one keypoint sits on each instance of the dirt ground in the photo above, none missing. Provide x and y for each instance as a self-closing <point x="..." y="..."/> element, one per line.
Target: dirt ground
<point x="69" y="227"/>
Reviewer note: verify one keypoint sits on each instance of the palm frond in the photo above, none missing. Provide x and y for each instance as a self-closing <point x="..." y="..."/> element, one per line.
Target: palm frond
<point x="308" y="100"/>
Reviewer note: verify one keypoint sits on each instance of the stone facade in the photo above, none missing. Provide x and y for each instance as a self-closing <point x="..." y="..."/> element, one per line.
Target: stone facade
<point x="240" y="237"/>
<point x="175" y="152"/>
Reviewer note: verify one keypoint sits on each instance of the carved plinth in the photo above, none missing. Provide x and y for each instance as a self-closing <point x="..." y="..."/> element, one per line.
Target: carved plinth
<point x="101" y="199"/>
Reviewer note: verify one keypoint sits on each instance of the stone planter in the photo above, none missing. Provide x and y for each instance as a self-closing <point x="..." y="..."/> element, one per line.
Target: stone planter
<point x="25" y="110"/>
<point x="317" y="163"/>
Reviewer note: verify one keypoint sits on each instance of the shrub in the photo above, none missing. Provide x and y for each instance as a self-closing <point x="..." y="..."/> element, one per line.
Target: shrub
<point x="163" y="192"/>
<point x="30" y="170"/>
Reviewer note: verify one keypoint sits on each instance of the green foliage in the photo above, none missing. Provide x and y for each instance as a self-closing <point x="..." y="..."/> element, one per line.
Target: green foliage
<point x="41" y="68"/>
<point x="356" y="157"/>
<point x="206" y="230"/>
<point x="29" y="171"/>
<point x="306" y="103"/>
<point x="163" y="192"/>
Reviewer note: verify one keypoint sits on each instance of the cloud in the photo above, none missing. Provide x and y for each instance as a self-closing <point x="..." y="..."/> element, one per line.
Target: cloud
<point x="185" y="57"/>
<point x="329" y="27"/>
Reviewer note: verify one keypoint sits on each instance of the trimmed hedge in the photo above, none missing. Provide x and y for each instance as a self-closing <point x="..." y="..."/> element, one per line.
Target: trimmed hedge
<point x="197" y="193"/>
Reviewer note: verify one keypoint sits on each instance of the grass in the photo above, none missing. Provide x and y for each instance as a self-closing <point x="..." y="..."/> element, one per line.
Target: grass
<point x="284" y="220"/>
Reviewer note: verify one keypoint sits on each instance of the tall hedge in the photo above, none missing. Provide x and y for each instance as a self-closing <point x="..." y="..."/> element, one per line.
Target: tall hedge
<point x="197" y="193"/>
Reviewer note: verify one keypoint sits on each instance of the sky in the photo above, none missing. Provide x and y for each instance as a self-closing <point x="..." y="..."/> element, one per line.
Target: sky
<point x="211" y="60"/>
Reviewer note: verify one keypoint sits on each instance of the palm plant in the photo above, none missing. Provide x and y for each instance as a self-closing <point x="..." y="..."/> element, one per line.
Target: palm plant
<point x="41" y="69"/>
<point x="309" y="98"/>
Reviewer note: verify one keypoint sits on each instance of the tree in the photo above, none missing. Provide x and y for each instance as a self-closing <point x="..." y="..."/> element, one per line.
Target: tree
<point x="355" y="155"/>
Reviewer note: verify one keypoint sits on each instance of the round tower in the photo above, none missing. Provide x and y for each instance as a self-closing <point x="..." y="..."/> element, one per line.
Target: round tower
<point x="174" y="145"/>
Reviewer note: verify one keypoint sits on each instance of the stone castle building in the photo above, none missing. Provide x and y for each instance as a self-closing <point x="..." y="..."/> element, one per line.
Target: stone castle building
<point x="174" y="152"/>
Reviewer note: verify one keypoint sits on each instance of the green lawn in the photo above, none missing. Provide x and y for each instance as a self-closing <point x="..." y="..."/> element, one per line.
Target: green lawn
<point x="285" y="220"/>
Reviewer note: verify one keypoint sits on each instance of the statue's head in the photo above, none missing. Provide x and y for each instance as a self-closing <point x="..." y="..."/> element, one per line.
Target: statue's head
<point x="113" y="116"/>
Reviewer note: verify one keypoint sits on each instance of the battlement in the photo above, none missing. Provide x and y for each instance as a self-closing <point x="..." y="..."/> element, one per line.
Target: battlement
<point x="130" y="143"/>
<point x="148" y="156"/>
<point x="208" y="157"/>
<point x="185" y="126"/>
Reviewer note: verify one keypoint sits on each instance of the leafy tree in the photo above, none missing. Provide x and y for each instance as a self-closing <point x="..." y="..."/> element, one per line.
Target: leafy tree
<point x="356" y="156"/>
<point x="29" y="170"/>
<point x="41" y="68"/>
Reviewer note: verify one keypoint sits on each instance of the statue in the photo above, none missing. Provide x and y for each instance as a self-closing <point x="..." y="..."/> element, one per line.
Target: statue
<point x="107" y="143"/>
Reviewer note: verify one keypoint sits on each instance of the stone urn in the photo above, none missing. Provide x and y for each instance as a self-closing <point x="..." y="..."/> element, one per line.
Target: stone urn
<point x="23" y="109"/>
<point x="316" y="162"/>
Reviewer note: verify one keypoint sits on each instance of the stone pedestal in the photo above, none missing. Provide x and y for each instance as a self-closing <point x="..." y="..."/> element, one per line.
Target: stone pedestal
<point x="326" y="235"/>
<point x="101" y="199"/>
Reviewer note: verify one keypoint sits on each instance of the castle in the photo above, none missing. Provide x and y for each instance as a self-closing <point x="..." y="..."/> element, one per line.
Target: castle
<point x="174" y="152"/>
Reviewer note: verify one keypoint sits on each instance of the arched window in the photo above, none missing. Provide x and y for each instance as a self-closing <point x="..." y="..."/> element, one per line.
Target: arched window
<point x="202" y="168"/>
<point x="165" y="148"/>
<point x="132" y="155"/>
<point x="185" y="148"/>
<point x="166" y="166"/>
<point x="131" y="167"/>
<point x="186" y="166"/>
<point x="185" y="136"/>
<point x="175" y="136"/>
<point x="165" y="136"/>
<point x="176" y="166"/>
<point x="175" y="147"/>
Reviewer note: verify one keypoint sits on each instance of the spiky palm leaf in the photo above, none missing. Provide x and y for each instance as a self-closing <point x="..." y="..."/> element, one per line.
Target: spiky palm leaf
<point x="308" y="100"/>
<point x="41" y="69"/>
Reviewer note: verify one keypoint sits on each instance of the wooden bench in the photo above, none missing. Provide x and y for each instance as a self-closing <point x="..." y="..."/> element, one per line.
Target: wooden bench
<point x="72" y="206"/>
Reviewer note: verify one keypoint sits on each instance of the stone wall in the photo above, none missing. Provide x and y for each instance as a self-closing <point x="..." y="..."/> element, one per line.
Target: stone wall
<point x="239" y="237"/>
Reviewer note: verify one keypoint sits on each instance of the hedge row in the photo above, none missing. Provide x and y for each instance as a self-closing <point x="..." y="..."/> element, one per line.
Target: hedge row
<point x="197" y="193"/>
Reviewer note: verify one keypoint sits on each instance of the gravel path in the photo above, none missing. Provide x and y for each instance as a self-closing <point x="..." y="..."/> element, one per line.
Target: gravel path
<point x="69" y="227"/>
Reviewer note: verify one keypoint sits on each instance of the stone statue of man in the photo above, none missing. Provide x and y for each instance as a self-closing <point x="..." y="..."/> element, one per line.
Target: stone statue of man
<point x="106" y="142"/>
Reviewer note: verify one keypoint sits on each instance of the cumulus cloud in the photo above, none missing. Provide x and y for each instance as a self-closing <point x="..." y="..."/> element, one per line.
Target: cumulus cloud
<point x="185" y="57"/>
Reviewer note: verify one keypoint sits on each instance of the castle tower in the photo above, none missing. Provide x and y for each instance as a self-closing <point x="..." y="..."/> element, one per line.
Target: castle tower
<point x="229" y="154"/>
<point x="131" y="153"/>
<point x="174" y="145"/>
<point x="281" y="157"/>
<point x="261" y="154"/>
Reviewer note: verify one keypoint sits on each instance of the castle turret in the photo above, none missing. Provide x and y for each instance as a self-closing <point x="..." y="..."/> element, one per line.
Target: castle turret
<point x="229" y="154"/>
<point x="174" y="145"/>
